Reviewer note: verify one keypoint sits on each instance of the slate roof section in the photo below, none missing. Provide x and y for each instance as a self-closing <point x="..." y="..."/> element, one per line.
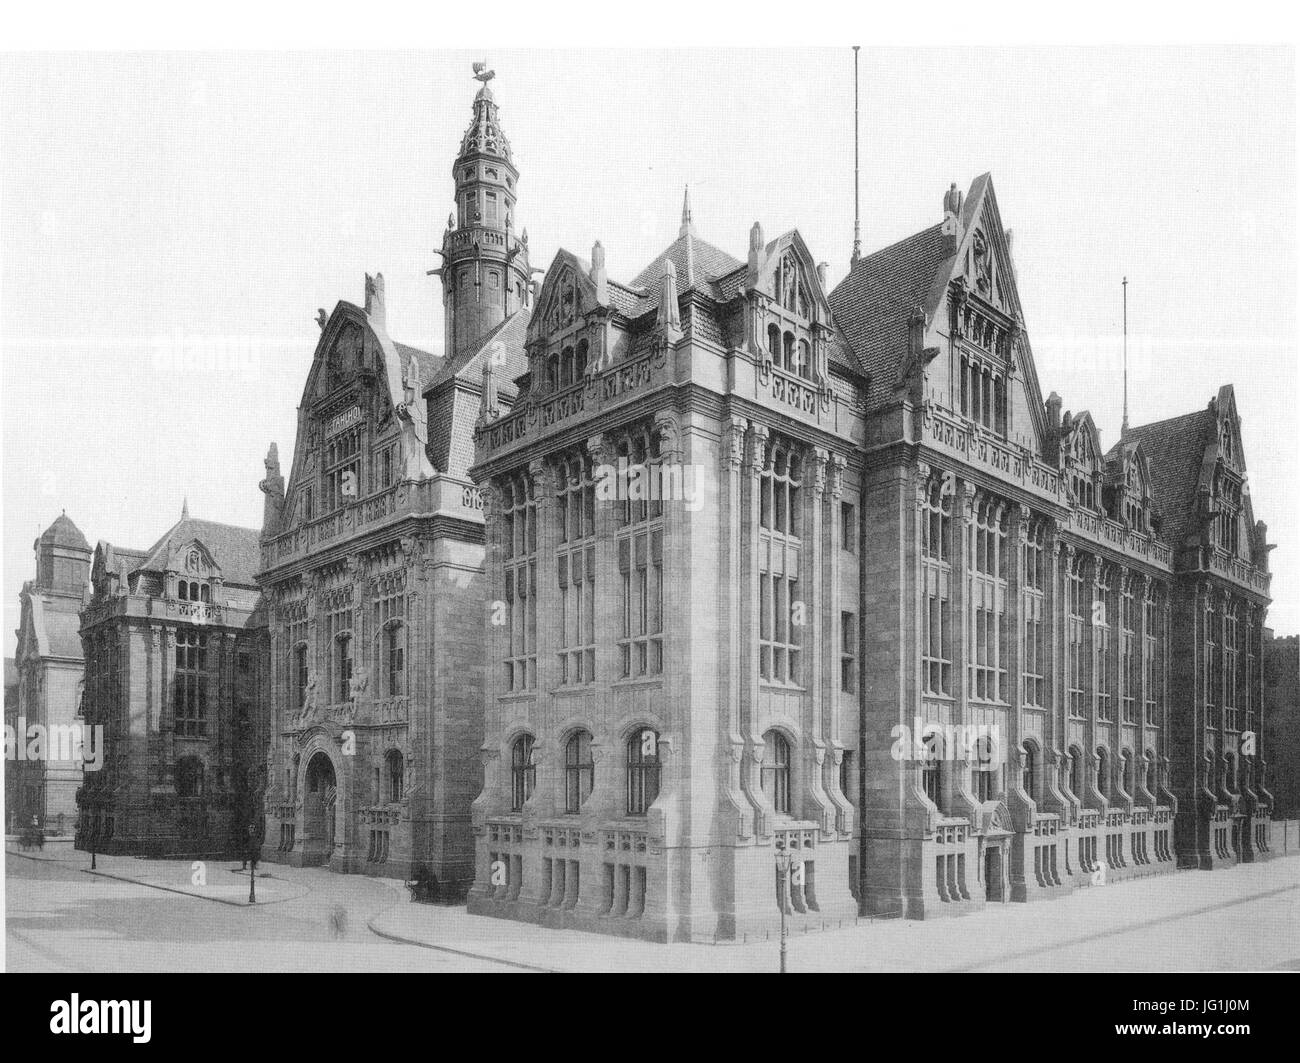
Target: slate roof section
<point x="429" y="362"/>
<point x="57" y="632"/>
<point x="710" y="263"/>
<point x="65" y="534"/>
<point x="236" y="550"/>
<point x="1175" y="450"/>
<point x="469" y="365"/>
<point x="872" y="304"/>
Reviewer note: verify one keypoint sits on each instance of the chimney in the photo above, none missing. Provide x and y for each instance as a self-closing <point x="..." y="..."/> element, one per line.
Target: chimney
<point x="822" y="267"/>
<point x="670" y="318"/>
<point x="375" y="302"/>
<point x="755" y="251"/>
<point x="952" y="203"/>
<point x="598" y="275"/>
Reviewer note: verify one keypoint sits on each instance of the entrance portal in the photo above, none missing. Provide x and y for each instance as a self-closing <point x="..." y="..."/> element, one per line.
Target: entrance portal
<point x="993" y="873"/>
<point x="318" y="813"/>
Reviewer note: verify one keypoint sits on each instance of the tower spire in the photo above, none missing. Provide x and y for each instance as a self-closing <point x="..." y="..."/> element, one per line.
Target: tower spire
<point x="688" y="226"/>
<point x="857" y="230"/>
<point x="485" y="273"/>
<point x="1123" y="431"/>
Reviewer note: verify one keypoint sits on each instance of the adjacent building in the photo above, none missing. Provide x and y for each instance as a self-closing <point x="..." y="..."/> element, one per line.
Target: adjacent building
<point x="42" y="788"/>
<point x="1282" y="721"/>
<point x="175" y="653"/>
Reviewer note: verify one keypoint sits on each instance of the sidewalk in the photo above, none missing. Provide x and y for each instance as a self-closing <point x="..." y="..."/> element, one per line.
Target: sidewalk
<point x="210" y="880"/>
<point x="1242" y="918"/>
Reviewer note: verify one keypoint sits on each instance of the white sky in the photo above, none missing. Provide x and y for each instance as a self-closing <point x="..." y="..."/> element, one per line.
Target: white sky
<point x="171" y="222"/>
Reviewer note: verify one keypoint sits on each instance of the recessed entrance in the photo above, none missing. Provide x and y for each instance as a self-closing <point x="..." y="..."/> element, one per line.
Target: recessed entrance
<point x="318" y="813"/>
<point x="993" y="873"/>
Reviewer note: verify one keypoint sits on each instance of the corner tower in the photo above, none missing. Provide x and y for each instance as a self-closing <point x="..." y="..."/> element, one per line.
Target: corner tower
<point x="485" y="272"/>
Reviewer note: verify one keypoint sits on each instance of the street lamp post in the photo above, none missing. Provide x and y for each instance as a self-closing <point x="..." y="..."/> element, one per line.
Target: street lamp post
<point x="252" y="864"/>
<point x="783" y="862"/>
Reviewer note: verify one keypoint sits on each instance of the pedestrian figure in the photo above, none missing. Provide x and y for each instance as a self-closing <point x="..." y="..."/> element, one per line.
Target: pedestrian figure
<point x="338" y="921"/>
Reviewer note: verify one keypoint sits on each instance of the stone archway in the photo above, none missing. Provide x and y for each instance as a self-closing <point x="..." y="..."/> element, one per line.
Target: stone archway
<point x="319" y="809"/>
<point x="994" y="888"/>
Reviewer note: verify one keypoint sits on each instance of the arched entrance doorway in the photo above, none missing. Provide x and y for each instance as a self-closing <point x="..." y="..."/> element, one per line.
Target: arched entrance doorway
<point x="318" y="811"/>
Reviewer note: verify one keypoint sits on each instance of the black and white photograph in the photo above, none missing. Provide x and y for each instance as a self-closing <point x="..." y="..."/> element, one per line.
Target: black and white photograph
<point x="681" y="505"/>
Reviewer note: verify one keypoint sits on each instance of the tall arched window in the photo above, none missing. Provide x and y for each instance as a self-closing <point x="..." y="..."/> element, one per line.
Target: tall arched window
<point x="642" y="771"/>
<point x="566" y="367"/>
<point x="774" y="343"/>
<point x="204" y="594"/>
<point x="578" y="770"/>
<point x="787" y="352"/>
<point x="1103" y="771"/>
<point x="1126" y="771"/>
<point x="523" y="774"/>
<point x="776" y="771"/>
<point x="805" y="359"/>
<point x="930" y="781"/>
<point x="1029" y="772"/>
<point x="1076" y="771"/>
<point x="1149" y="772"/>
<point x="183" y="591"/>
<point x="396" y="767"/>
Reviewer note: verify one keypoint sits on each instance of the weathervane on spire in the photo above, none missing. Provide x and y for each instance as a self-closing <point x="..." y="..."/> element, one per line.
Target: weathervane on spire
<point x="482" y="73"/>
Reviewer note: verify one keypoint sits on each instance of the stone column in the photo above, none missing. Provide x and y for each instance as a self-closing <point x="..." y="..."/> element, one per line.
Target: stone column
<point x="738" y="627"/>
<point x="751" y="774"/>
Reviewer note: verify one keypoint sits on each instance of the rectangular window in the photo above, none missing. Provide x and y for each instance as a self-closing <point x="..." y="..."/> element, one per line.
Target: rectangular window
<point x="1101" y="643"/>
<point x="848" y="653"/>
<point x="1128" y="649"/>
<point x="388" y="618"/>
<point x="936" y="576"/>
<point x="1074" y="635"/>
<point x="519" y="543"/>
<point x="640" y="566"/>
<point x="191" y="683"/>
<point x="987" y="654"/>
<point x="341" y="470"/>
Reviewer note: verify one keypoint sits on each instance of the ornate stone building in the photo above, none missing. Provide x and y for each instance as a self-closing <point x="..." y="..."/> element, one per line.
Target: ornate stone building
<point x="174" y="645"/>
<point x="48" y="664"/>
<point x="773" y="570"/>
<point x="370" y="559"/>
<point x="671" y="684"/>
<point x="1075" y="632"/>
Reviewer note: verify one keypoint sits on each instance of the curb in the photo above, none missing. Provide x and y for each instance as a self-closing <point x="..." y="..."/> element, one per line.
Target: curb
<point x="188" y="893"/>
<point x="388" y="935"/>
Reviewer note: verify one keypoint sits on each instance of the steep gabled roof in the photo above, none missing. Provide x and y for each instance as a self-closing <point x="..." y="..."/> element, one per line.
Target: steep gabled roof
<point x="1175" y="450"/>
<point x="708" y="263"/>
<point x="873" y="303"/>
<point x="468" y="366"/>
<point x="235" y="550"/>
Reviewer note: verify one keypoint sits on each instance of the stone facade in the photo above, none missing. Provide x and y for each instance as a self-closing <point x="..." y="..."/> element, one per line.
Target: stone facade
<point x="1069" y="643"/>
<point x="370" y="559"/>
<point x="175" y="654"/>
<point x="657" y="725"/>
<point x="915" y="625"/>
<point x="48" y="672"/>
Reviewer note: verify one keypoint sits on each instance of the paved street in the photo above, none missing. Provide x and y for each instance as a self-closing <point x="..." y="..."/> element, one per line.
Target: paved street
<point x="59" y="918"/>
